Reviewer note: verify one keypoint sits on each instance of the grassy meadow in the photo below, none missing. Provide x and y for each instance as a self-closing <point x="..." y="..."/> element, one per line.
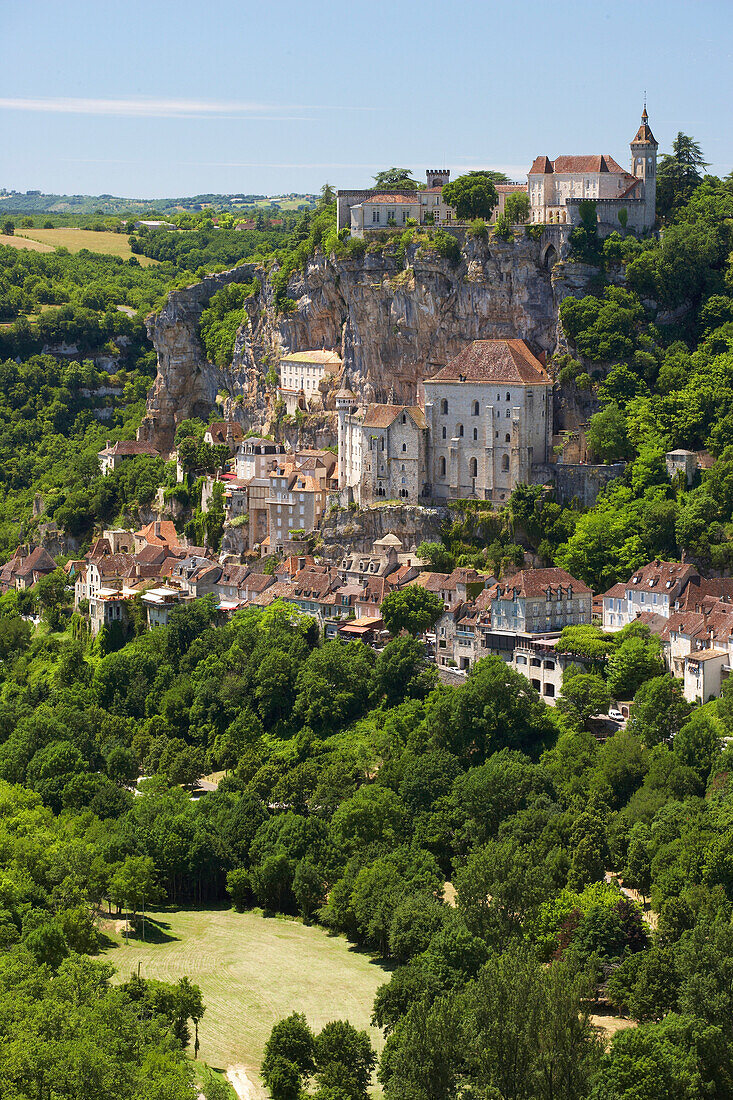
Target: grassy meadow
<point x="252" y="971"/>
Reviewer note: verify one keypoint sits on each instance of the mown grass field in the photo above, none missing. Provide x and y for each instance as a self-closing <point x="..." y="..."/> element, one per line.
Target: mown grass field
<point x="110" y="244"/>
<point x="252" y="971"/>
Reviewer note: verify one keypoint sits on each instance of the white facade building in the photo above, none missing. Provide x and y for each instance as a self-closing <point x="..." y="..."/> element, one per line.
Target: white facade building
<point x="301" y="375"/>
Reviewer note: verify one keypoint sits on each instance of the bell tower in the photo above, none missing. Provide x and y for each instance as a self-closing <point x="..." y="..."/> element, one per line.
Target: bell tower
<point x="644" y="148"/>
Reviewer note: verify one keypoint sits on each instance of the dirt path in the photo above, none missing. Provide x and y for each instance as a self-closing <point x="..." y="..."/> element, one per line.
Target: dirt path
<point x="242" y="1084"/>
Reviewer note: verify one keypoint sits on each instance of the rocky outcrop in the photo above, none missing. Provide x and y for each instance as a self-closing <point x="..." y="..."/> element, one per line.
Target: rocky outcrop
<point x="187" y="384"/>
<point x="394" y="316"/>
<point x="355" y="529"/>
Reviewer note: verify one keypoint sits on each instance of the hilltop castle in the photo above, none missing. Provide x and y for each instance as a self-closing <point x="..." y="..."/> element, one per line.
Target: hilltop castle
<point x="556" y="189"/>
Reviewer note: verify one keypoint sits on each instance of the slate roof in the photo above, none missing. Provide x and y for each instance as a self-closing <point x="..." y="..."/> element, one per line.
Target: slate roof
<point x="494" y="361"/>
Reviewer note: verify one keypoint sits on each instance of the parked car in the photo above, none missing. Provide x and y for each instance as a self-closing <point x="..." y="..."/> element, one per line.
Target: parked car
<point x="616" y="714"/>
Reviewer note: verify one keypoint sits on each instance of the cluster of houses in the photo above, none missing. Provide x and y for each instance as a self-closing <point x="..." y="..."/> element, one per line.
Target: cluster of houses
<point x="518" y="618"/>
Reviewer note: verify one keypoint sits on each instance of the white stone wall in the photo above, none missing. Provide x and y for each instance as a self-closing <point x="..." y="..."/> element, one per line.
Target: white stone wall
<point x="490" y="437"/>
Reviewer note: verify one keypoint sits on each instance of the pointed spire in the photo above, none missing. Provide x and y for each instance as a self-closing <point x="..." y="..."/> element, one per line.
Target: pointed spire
<point x="644" y="135"/>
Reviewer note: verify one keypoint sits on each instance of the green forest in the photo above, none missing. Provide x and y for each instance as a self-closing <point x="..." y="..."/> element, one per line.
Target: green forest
<point x="356" y="787"/>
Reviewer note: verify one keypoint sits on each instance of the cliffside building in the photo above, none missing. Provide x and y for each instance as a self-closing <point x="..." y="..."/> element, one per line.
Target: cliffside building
<point x="301" y="375"/>
<point x="383" y="451"/>
<point x="486" y="427"/>
<point x="558" y="187"/>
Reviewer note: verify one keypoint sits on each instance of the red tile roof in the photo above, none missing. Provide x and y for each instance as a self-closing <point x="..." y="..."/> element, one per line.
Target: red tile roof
<point x="382" y="416"/>
<point x="535" y="582"/>
<point x="126" y="447"/>
<point x="494" y="361"/>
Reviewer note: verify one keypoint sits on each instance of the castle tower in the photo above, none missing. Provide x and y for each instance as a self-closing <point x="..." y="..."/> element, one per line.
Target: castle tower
<point x="437" y="177"/>
<point x="644" y="148"/>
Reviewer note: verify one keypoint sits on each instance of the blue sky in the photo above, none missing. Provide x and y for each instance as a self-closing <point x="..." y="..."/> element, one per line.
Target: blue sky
<point x="161" y="99"/>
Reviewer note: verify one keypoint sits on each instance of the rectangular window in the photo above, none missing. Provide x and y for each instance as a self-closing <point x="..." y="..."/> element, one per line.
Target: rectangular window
<point x="375" y="215"/>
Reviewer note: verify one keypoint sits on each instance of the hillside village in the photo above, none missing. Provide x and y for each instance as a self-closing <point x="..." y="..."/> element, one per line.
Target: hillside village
<point x="480" y="425"/>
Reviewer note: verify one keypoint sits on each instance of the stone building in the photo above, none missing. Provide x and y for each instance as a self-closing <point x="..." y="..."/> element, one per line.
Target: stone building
<point x="368" y="210"/>
<point x="558" y="187"/>
<point x="489" y="413"/>
<point x="113" y="454"/>
<point x="383" y="452"/>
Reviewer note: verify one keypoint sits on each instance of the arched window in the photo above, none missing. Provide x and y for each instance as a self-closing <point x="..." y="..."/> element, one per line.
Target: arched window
<point x="404" y="446"/>
<point x="507" y="438"/>
<point x="445" y="433"/>
<point x="475" y="433"/>
<point x="441" y="466"/>
<point x="444" y="407"/>
<point x="474" y="409"/>
<point x="505" y="462"/>
<point x="404" y="418"/>
<point x="508" y="397"/>
<point x="473" y="468"/>
<point x="460" y="429"/>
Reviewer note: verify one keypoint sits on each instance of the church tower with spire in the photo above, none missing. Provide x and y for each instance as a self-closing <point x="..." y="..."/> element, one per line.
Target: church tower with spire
<point x="644" y="148"/>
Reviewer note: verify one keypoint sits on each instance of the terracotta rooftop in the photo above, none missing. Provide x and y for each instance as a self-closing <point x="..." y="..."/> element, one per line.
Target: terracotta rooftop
<point x="222" y="430"/>
<point x="494" y="361"/>
<point x="382" y="416"/>
<point x="594" y="162"/>
<point x="159" y="533"/>
<point x="129" y="447"/>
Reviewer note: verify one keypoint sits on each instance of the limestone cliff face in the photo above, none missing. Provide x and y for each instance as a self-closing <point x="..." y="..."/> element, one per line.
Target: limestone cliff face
<point x="355" y="529"/>
<point x="395" y="318"/>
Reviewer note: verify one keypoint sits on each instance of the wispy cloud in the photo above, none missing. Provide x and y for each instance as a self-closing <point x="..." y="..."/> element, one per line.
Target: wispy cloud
<point x="155" y="108"/>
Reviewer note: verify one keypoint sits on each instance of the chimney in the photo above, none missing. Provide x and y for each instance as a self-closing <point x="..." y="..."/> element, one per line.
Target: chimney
<point x="157" y="528"/>
<point x="109" y="444"/>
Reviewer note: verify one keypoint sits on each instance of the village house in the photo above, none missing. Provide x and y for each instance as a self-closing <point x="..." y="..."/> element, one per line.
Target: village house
<point x="256" y="456"/>
<point x="295" y="504"/>
<point x="226" y="433"/>
<point x="654" y="588"/>
<point x="160" y="602"/>
<point x="25" y="568"/>
<point x="113" y="454"/>
<point x="536" y="601"/>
